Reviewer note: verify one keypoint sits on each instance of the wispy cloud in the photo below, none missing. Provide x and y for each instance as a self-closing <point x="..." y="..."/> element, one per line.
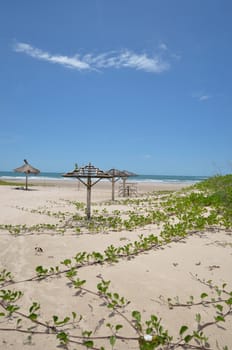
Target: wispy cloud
<point x="204" y="97"/>
<point x="122" y="59"/>
<point x="163" y="46"/>
<point x="69" y="62"/>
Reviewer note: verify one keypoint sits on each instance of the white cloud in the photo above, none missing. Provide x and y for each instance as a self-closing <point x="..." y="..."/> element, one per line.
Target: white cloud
<point x="201" y="96"/>
<point x="204" y="97"/>
<point x="69" y="62"/>
<point x="163" y="46"/>
<point x="117" y="60"/>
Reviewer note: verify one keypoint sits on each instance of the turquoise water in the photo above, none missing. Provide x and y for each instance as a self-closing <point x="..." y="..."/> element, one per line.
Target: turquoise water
<point x="145" y="178"/>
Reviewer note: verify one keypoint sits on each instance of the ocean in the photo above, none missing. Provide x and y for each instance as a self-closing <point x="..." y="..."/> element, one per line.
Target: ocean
<point x="8" y="175"/>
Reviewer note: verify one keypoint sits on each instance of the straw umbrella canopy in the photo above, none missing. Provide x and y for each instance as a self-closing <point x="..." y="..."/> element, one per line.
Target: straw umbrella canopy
<point x="129" y="173"/>
<point x="85" y="175"/>
<point x="27" y="169"/>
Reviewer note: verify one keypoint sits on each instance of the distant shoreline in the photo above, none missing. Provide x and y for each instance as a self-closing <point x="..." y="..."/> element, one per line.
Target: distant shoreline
<point x="105" y="185"/>
<point x="156" y="179"/>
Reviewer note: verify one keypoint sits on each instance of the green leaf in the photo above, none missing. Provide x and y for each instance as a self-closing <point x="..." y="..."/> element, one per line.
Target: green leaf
<point x="88" y="343"/>
<point x="66" y="320"/>
<point x="204" y="295"/>
<point x="144" y="345"/>
<point x="12" y="308"/>
<point x="188" y="338"/>
<point x="110" y="306"/>
<point x="149" y="330"/>
<point x="86" y="333"/>
<point x="19" y="320"/>
<point x="71" y="273"/>
<point x="40" y="270"/>
<point x="118" y="326"/>
<point x="154" y="318"/>
<point x="229" y="301"/>
<point x="78" y="283"/>
<point x="219" y="319"/>
<point x="136" y="315"/>
<point x="58" y="323"/>
<point x="183" y="329"/>
<point x="55" y="318"/>
<point x="219" y="307"/>
<point x="63" y="337"/>
<point x="112" y="340"/>
<point x="33" y="316"/>
<point x="198" y="318"/>
<point x="34" y="307"/>
<point x="66" y="262"/>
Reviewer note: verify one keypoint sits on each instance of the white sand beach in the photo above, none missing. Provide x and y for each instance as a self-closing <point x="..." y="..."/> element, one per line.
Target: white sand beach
<point x="146" y="280"/>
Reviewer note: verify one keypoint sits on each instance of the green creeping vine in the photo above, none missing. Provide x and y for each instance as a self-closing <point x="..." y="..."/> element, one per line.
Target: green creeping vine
<point x="203" y="205"/>
<point x="149" y="334"/>
<point x="207" y="205"/>
<point x="111" y="255"/>
<point x="18" y="229"/>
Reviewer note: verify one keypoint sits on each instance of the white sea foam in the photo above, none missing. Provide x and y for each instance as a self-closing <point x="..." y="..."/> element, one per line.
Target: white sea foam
<point x="140" y="178"/>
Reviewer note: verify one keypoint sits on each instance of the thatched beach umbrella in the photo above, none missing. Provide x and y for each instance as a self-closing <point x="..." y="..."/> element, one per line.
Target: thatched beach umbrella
<point x="128" y="173"/>
<point x="27" y="169"/>
<point x="85" y="175"/>
<point x="124" y="177"/>
<point x="116" y="175"/>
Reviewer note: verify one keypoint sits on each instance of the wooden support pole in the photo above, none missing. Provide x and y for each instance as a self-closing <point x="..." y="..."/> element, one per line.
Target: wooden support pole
<point x="124" y="186"/>
<point x="113" y="186"/>
<point x="26" y="182"/>
<point x="89" y="185"/>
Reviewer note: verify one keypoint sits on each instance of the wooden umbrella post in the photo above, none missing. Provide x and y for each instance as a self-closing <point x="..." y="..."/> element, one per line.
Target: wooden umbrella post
<point x="113" y="186"/>
<point x="26" y="181"/>
<point x="124" y="186"/>
<point x="88" y="185"/>
<point x="112" y="171"/>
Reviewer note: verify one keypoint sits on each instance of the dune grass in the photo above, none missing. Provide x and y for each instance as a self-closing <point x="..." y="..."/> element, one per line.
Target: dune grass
<point x="10" y="183"/>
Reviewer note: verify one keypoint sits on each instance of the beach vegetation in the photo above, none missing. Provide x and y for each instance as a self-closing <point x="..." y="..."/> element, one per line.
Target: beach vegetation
<point x="175" y="215"/>
<point x="11" y="183"/>
<point x="149" y="333"/>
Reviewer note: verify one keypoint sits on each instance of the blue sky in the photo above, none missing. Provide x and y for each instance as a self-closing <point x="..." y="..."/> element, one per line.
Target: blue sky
<point x="142" y="85"/>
